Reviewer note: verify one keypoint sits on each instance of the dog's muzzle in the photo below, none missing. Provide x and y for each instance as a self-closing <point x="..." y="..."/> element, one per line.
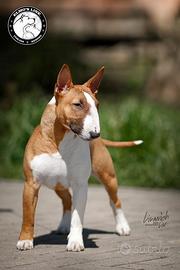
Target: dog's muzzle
<point x="94" y="135"/>
<point x="78" y="131"/>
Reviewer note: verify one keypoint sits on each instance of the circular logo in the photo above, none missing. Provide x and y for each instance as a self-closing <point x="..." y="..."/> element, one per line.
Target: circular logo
<point x="125" y="249"/>
<point x="27" y="25"/>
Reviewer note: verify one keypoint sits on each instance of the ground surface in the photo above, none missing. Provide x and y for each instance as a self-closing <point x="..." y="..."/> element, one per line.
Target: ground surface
<point x="148" y="247"/>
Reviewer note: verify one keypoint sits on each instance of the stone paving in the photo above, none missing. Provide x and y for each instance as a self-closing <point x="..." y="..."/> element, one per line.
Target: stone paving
<point x="148" y="246"/>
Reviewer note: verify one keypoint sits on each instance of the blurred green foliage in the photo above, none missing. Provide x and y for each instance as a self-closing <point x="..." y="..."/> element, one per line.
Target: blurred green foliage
<point x="154" y="163"/>
<point x="27" y="70"/>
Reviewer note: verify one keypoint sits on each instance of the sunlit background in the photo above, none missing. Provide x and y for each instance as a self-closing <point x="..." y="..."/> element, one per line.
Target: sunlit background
<point x="138" y="42"/>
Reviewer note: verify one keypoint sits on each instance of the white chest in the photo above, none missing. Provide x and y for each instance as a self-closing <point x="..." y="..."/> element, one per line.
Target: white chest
<point x="71" y="163"/>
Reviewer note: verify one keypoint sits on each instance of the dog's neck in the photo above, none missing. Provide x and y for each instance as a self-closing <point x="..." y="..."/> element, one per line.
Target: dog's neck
<point x="51" y="127"/>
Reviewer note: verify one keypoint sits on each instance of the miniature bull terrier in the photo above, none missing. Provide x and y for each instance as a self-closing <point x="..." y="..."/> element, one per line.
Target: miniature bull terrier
<point x="63" y="151"/>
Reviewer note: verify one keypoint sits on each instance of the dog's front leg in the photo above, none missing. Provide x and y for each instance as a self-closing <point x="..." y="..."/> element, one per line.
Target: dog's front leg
<point x="30" y="197"/>
<point x="75" y="238"/>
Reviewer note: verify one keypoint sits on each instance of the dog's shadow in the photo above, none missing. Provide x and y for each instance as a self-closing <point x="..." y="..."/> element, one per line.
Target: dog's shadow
<point x="54" y="238"/>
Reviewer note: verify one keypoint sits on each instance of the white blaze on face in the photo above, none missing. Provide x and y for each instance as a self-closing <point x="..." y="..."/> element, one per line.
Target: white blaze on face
<point x="91" y="121"/>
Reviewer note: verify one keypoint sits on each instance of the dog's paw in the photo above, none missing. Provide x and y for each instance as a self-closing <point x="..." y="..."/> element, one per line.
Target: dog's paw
<point x="75" y="242"/>
<point x="24" y="244"/>
<point x="64" y="226"/>
<point x="123" y="229"/>
<point x="75" y="246"/>
<point x="122" y="226"/>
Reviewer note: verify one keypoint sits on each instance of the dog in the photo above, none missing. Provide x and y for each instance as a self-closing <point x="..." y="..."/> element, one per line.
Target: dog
<point x="62" y="152"/>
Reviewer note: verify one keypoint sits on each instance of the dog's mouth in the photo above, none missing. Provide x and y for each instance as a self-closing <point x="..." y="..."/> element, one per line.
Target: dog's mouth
<point x="78" y="131"/>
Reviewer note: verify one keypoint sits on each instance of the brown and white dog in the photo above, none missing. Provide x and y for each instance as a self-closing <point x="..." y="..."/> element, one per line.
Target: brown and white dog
<point x="62" y="152"/>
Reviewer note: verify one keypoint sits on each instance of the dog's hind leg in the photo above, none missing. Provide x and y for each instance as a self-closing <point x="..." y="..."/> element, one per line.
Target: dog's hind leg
<point x="103" y="169"/>
<point x="30" y="197"/>
<point x="64" y="194"/>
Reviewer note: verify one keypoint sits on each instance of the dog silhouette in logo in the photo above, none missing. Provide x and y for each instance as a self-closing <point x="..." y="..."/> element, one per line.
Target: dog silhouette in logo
<point x="26" y="27"/>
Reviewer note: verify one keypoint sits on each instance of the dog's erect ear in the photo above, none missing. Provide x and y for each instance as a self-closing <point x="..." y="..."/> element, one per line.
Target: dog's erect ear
<point x="94" y="82"/>
<point x="64" y="80"/>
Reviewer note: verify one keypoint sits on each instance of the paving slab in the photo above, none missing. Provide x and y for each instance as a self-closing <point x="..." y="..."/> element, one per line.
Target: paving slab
<point x="150" y="246"/>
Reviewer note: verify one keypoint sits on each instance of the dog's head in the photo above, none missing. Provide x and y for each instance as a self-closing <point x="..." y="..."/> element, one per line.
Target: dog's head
<point x="76" y="105"/>
<point x="24" y="20"/>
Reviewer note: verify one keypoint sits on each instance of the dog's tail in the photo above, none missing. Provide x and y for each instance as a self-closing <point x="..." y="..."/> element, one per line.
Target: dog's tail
<point x="121" y="144"/>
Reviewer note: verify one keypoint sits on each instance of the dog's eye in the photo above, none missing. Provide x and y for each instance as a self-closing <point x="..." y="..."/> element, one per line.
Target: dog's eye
<point x="77" y="104"/>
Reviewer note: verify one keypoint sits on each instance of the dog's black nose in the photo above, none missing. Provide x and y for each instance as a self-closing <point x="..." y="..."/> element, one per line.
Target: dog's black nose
<point x="94" y="135"/>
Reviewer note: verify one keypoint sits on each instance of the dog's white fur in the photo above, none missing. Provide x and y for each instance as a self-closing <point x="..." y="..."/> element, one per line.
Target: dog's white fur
<point x="49" y="169"/>
<point x="52" y="101"/>
<point x="138" y="142"/>
<point x="24" y="244"/>
<point x="122" y="226"/>
<point x="91" y="121"/>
